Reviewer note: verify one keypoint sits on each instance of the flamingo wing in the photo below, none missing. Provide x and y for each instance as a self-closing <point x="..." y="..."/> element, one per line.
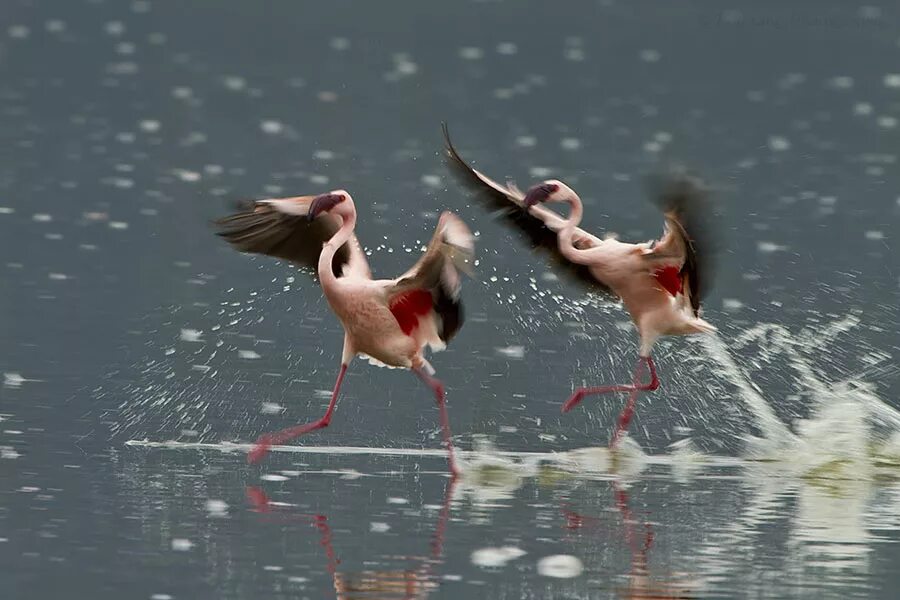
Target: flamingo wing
<point x="434" y="283"/>
<point x="281" y="228"/>
<point x="539" y="225"/>
<point x="688" y="247"/>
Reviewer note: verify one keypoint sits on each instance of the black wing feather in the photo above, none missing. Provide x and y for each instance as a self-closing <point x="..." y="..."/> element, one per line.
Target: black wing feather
<point x="686" y="201"/>
<point x="531" y="229"/>
<point x="260" y="229"/>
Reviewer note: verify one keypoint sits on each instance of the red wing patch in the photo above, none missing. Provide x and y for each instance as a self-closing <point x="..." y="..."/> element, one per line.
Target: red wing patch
<point x="408" y="307"/>
<point x="670" y="279"/>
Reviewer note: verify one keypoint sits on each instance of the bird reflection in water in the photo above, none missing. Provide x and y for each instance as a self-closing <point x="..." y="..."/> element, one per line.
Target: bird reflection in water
<point x="638" y="535"/>
<point x="397" y="584"/>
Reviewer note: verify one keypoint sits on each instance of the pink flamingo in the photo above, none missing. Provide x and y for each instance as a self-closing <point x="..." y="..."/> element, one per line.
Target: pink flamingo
<point x="390" y="321"/>
<point x="658" y="282"/>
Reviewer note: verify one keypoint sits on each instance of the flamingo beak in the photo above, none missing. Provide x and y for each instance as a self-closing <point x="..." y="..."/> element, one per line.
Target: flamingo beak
<point x="323" y="203"/>
<point x="539" y="193"/>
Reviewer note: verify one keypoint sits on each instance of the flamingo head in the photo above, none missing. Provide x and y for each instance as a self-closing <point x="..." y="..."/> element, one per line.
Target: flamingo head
<point x="547" y="191"/>
<point x="337" y="201"/>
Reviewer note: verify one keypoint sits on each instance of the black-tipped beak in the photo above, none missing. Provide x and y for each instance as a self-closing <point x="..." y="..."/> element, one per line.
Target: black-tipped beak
<point x="539" y="193"/>
<point x="323" y="203"/>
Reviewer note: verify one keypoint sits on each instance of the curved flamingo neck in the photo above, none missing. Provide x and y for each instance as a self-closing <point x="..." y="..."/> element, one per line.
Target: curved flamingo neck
<point x="326" y="257"/>
<point x="576" y="211"/>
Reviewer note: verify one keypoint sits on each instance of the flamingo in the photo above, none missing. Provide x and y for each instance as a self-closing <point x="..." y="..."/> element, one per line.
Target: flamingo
<point x="660" y="283"/>
<point x="389" y="321"/>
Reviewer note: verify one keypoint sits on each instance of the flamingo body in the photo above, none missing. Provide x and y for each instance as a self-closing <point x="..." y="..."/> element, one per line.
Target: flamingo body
<point x="389" y="321"/>
<point x="660" y="283"/>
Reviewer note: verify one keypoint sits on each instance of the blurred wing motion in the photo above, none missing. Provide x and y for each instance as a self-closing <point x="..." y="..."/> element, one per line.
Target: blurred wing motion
<point x="433" y="283"/>
<point x="281" y="228"/>
<point x="539" y="225"/>
<point x="690" y="233"/>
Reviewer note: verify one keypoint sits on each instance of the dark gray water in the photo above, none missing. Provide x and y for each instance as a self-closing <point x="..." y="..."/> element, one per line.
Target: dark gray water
<point x="137" y="349"/>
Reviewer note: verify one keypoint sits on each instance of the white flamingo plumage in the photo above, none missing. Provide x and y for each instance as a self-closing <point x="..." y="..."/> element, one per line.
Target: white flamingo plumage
<point x="658" y="282"/>
<point x="391" y="321"/>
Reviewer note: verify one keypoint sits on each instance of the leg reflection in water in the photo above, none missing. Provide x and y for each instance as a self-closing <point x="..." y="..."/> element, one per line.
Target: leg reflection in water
<point x="638" y="535"/>
<point x="409" y="584"/>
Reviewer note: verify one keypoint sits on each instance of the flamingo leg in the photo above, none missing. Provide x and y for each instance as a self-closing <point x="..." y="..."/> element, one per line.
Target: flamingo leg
<point x="265" y="442"/>
<point x="438" y="388"/>
<point x="635" y="387"/>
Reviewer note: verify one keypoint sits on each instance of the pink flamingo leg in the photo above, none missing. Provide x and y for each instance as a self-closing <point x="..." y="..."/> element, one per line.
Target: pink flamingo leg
<point x="438" y="388"/>
<point x="266" y="441"/>
<point x="634" y="388"/>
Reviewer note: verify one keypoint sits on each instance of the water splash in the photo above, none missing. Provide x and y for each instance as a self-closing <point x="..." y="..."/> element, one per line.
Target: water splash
<point x="849" y="431"/>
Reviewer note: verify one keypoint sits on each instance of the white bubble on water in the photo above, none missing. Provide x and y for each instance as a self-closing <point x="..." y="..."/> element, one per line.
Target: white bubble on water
<point x="114" y="28"/>
<point x="517" y="352"/>
<point x="892" y="80"/>
<point x="273" y="477"/>
<point x="862" y="109"/>
<point x="248" y="354"/>
<point x="150" y="125"/>
<point x="340" y="44"/>
<point x="182" y="544"/>
<point x="526" y="141"/>
<point x="13" y="380"/>
<point x="732" y="304"/>
<point x="18" y="32"/>
<point x="495" y="557"/>
<point x="271" y="127"/>
<point x="187" y="176"/>
<point x="841" y="82"/>
<point x="887" y="121"/>
<point x="271" y="408"/>
<point x="560" y="566"/>
<point x="182" y="92"/>
<point x="769" y="247"/>
<point x="379" y="527"/>
<point x="217" y="508"/>
<point x="779" y="143"/>
<point x="471" y="53"/>
<point x="433" y="181"/>
<point x="191" y="335"/>
<point x="649" y="55"/>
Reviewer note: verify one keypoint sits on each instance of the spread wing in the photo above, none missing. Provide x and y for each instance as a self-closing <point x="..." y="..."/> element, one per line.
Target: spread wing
<point x="690" y="235"/>
<point x="280" y="228"/>
<point x="434" y="282"/>
<point x="537" y="225"/>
